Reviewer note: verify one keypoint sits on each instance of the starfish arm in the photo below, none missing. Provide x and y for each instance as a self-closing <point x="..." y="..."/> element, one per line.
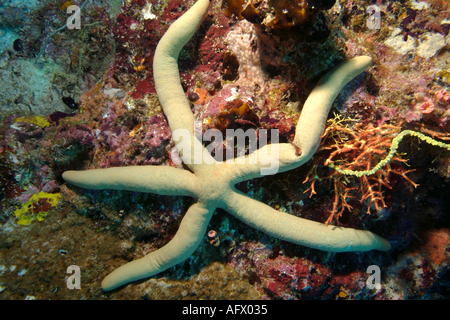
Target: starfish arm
<point x="301" y="231"/>
<point x="309" y="127"/>
<point x="165" y="71"/>
<point x="184" y="243"/>
<point x="161" y="180"/>
<point x="315" y="111"/>
<point x="212" y="185"/>
<point x="270" y="159"/>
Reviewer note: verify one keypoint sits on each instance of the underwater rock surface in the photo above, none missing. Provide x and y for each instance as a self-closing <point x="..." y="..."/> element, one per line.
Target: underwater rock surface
<point x="245" y="71"/>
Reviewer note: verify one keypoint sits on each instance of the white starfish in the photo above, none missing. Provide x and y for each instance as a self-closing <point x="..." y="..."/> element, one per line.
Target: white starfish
<point x="212" y="185"/>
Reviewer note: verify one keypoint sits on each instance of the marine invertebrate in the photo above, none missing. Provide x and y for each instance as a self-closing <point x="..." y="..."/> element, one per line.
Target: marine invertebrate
<point x="66" y="4"/>
<point x="211" y="183"/>
<point x="139" y="66"/>
<point x="395" y="142"/>
<point x="230" y="69"/>
<point x="278" y="14"/>
<point x="363" y="159"/>
<point x="353" y="148"/>
<point x="37" y="120"/>
<point x="427" y="107"/>
<point x="442" y="96"/>
<point x="234" y="116"/>
<point x="36" y="207"/>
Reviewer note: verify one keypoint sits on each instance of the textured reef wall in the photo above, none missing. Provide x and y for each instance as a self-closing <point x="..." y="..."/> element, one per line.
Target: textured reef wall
<point x="86" y="99"/>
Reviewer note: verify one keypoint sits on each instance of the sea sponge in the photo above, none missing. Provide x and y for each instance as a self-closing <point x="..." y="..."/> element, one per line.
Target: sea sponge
<point x="37" y="120"/>
<point x="36" y="207"/>
<point x="277" y="14"/>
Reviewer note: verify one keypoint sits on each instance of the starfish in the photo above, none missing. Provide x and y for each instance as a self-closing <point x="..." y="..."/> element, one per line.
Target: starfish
<point x="211" y="183"/>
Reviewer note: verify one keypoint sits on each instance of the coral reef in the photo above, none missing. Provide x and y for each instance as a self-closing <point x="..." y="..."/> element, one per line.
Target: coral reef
<point x="43" y="65"/>
<point x="279" y="16"/>
<point x="247" y="59"/>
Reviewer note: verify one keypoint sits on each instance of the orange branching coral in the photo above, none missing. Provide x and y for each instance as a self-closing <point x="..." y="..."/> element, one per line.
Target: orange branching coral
<point x="439" y="135"/>
<point x="358" y="148"/>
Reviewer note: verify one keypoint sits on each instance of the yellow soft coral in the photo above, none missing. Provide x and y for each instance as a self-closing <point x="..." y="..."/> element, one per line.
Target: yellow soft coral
<point x="27" y="213"/>
<point x="66" y="4"/>
<point x="37" y="120"/>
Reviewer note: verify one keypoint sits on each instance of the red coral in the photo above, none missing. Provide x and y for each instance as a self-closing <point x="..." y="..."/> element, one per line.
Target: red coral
<point x="437" y="245"/>
<point x="427" y="107"/>
<point x="144" y="87"/>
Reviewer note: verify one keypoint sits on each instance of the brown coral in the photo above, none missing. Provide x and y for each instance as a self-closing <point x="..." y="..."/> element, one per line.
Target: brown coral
<point x="277" y="14"/>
